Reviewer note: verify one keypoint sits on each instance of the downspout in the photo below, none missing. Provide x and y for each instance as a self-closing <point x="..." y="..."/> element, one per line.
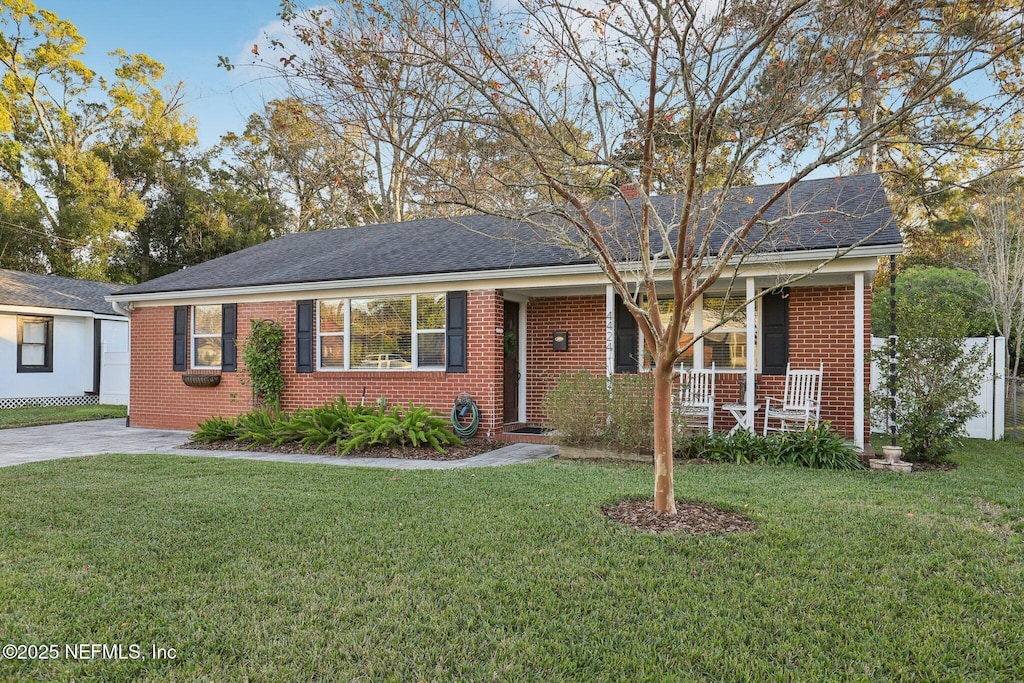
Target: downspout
<point x="123" y="309"/>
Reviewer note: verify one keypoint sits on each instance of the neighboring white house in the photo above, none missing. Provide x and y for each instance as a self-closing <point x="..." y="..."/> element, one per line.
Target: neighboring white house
<point x="61" y="343"/>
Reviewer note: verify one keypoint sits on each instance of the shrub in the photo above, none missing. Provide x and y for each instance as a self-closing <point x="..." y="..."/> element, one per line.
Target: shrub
<point x="215" y="429"/>
<point x="818" y="448"/>
<point x="383" y="427"/>
<point x="631" y="412"/>
<point x="319" y="428"/>
<point x="936" y="380"/>
<point x="576" y="407"/>
<point x="257" y="426"/>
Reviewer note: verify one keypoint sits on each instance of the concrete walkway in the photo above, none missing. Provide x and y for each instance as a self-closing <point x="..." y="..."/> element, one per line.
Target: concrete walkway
<point x="50" y="442"/>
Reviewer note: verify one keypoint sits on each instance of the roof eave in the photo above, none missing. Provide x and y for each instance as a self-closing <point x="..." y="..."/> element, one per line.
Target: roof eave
<point x="480" y="275"/>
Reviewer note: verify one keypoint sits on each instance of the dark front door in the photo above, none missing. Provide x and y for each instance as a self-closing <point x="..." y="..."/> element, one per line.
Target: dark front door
<point x="511" y="365"/>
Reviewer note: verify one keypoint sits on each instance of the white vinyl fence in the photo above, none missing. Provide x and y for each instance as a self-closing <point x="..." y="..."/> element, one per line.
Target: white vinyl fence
<point x="991" y="398"/>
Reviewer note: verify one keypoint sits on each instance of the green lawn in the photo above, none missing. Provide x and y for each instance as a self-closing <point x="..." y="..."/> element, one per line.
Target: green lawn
<point x="33" y="416"/>
<point x="270" y="571"/>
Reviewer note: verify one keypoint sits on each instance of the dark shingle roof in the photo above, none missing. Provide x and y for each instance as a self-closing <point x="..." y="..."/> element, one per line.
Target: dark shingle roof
<point x="49" y="291"/>
<point x="816" y="214"/>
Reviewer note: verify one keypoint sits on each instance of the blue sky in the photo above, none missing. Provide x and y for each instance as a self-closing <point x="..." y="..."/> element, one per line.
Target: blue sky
<point x="186" y="36"/>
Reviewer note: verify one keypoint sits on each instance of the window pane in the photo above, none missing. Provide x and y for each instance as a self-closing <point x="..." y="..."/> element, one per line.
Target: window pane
<point x="430" y="311"/>
<point x="208" y="319"/>
<point x="332" y="316"/>
<point x="430" y="349"/>
<point x="33" y="354"/>
<point x="207" y="352"/>
<point x="381" y="332"/>
<point x="33" y="333"/>
<point x="726" y="345"/>
<point x="332" y="352"/>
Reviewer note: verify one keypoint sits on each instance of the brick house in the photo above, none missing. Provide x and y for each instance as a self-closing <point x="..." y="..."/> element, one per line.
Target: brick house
<point x="424" y="310"/>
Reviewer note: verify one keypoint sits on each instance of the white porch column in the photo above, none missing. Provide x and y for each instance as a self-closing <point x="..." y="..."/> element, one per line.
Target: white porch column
<point x="751" y="354"/>
<point x="858" y="360"/>
<point x="609" y="330"/>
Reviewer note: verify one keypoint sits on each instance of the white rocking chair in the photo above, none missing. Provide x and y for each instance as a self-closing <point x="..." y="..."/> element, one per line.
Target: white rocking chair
<point x="697" y="397"/>
<point x="800" y="408"/>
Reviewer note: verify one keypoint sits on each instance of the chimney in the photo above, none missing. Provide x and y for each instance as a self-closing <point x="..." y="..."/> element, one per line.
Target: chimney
<point x="629" y="191"/>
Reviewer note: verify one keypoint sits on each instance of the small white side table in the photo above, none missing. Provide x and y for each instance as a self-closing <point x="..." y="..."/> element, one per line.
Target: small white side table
<point x="744" y="419"/>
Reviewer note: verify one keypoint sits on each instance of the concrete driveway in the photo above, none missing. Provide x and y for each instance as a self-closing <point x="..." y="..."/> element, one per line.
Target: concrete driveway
<point x="73" y="439"/>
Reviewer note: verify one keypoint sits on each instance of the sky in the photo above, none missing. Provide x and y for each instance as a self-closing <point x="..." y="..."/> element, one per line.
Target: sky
<point x="186" y="36"/>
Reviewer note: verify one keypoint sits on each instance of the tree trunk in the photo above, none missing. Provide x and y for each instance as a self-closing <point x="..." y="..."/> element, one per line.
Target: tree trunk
<point x="664" y="487"/>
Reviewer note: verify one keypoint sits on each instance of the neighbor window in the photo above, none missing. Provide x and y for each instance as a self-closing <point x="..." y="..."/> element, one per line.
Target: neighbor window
<point x="35" y="344"/>
<point x="382" y="333"/>
<point x="206" y="337"/>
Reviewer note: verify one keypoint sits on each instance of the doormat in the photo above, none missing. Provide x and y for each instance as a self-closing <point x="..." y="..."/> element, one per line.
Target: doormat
<point x="528" y="430"/>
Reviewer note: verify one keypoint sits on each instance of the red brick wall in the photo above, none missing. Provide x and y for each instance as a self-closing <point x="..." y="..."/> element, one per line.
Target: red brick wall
<point x="583" y="318"/>
<point x="160" y="399"/>
<point x="821" y="330"/>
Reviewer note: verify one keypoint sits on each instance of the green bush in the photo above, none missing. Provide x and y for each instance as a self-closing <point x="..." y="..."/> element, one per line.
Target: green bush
<point x="577" y="407"/>
<point x="319" y="428"/>
<point x="818" y="448"/>
<point x="338" y="425"/>
<point x="257" y="426"/>
<point x="417" y="427"/>
<point x="215" y="429"/>
<point x="936" y="380"/>
<point x="631" y="412"/>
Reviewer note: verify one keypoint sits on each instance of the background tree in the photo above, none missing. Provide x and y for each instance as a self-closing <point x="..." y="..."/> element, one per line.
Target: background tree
<point x="286" y="153"/>
<point x="48" y="125"/>
<point x="997" y="218"/>
<point x="946" y="289"/>
<point x="782" y="81"/>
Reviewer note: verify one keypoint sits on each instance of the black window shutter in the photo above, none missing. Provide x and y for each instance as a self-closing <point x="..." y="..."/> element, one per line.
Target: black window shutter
<point x="304" y="336"/>
<point x="455" y="332"/>
<point x="180" y="337"/>
<point x="627" y="339"/>
<point x="228" y="337"/>
<point x="775" y="332"/>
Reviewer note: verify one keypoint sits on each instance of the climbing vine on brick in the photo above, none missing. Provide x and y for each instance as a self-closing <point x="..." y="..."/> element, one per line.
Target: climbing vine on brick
<point x="262" y="356"/>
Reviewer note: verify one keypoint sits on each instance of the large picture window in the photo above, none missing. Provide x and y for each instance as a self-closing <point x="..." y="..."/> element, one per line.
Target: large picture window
<point x="206" y="337"/>
<point x="382" y="333"/>
<point x="35" y="344"/>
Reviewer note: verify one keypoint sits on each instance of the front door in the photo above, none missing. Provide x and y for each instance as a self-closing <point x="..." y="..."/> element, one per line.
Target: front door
<point x="510" y="381"/>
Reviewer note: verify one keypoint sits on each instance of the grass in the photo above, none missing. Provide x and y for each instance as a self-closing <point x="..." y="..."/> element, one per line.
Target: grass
<point x="33" y="416"/>
<point x="268" y="571"/>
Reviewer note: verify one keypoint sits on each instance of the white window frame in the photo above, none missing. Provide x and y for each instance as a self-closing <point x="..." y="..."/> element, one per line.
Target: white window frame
<point x="415" y="331"/>
<point x="344" y="334"/>
<point x="194" y="336"/>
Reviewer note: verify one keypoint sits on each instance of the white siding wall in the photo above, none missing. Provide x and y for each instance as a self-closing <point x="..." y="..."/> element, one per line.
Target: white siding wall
<point x="72" y="360"/>
<point x="114" y="371"/>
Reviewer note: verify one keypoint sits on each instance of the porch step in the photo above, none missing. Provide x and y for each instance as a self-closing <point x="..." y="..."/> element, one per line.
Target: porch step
<point x="522" y="433"/>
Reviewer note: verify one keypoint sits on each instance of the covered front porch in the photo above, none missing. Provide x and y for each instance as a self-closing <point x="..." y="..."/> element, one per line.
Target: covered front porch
<point x="550" y="330"/>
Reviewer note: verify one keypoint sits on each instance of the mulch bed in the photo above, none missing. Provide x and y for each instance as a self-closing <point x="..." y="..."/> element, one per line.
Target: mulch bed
<point x="474" y="446"/>
<point x="690" y="518"/>
<point x="933" y="467"/>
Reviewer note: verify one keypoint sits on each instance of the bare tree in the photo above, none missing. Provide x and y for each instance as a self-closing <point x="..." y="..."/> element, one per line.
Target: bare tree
<point x="998" y="221"/>
<point x="772" y="86"/>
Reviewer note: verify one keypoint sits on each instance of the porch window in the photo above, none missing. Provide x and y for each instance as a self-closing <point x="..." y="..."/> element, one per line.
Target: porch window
<point x="206" y="337"/>
<point x="35" y="344"/>
<point x="726" y="345"/>
<point x="382" y="333"/>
